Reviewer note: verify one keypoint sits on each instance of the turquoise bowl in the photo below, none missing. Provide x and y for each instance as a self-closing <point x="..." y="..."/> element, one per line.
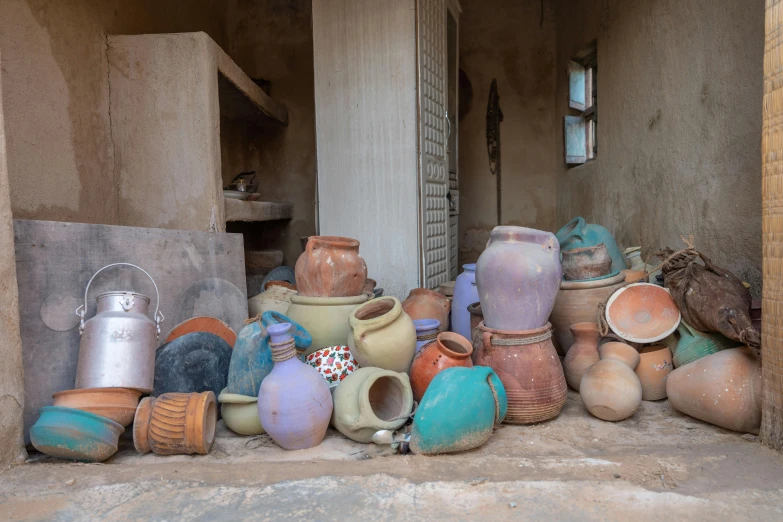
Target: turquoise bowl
<point x="72" y="434"/>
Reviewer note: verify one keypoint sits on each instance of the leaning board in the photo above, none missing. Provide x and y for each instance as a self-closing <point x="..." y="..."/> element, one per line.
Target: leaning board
<point x="197" y="273"/>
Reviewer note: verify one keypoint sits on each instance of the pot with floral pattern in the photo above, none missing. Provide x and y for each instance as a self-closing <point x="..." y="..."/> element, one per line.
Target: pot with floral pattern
<point x="334" y="363"/>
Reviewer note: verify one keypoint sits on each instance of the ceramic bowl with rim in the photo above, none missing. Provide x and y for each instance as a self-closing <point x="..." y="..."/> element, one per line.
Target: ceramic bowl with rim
<point x="117" y="404"/>
<point x="240" y="413"/>
<point x="334" y="363"/>
<point x="642" y="313"/>
<point x="71" y="434"/>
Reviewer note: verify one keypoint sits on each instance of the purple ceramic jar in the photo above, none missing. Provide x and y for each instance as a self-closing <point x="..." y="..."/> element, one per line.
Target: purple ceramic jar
<point x="427" y="331"/>
<point x="465" y="294"/>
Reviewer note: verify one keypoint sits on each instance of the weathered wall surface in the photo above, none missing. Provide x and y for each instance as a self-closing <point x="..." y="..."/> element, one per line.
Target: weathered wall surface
<point x="508" y="41"/>
<point x="679" y="125"/>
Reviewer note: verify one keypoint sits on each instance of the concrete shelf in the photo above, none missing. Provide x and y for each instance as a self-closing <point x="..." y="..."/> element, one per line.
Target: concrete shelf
<point x="255" y="211"/>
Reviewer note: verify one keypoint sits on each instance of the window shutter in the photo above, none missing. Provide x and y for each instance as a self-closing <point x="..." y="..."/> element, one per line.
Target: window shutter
<point x="575" y="142"/>
<point x="576" y="86"/>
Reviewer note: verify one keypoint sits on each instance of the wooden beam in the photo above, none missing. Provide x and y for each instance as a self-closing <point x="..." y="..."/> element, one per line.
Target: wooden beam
<point x="237" y="210"/>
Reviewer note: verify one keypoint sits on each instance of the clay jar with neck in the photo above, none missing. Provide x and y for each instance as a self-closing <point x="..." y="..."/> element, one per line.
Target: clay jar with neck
<point x="448" y="351"/>
<point x="427" y="331"/>
<point x="330" y="266"/>
<point x="294" y="402"/>
<point x="465" y="293"/>
<point x="518" y="276"/>
<point x="582" y="354"/>
<point x="423" y="303"/>
<point x="383" y="335"/>
<point x="610" y="389"/>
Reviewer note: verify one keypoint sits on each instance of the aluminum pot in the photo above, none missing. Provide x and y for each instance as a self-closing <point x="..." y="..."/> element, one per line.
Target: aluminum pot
<point x="117" y="348"/>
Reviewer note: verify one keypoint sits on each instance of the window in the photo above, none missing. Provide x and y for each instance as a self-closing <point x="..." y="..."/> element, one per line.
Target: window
<point x="582" y="122"/>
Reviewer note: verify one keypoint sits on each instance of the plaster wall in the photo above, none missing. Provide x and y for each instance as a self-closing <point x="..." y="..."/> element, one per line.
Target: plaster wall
<point x="509" y="41"/>
<point x="679" y="125"/>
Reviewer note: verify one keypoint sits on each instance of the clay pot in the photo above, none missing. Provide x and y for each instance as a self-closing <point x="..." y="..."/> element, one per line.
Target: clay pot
<point x="240" y="413"/>
<point x="577" y="233"/>
<point x="654" y="366"/>
<point x="582" y="354"/>
<point x="294" y="402"/>
<point x="531" y="373"/>
<point x="723" y="389"/>
<point x="577" y="302"/>
<point x="586" y="262"/>
<point x="694" y="344"/>
<point x="634" y="257"/>
<point x="448" y="351"/>
<point x="176" y="424"/>
<point x="476" y="316"/>
<point x="465" y="293"/>
<point x="634" y="276"/>
<point x="383" y="335"/>
<point x="642" y="313"/>
<point x="369" y="286"/>
<point x="330" y="266"/>
<point x="324" y="318"/>
<point x="447" y="288"/>
<point x="334" y="363"/>
<point x="427" y="331"/>
<point x="276" y="298"/>
<point x="117" y="404"/>
<point x="518" y="276"/>
<point x="369" y="400"/>
<point x="423" y="303"/>
<point x="610" y="389"/>
<point x="74" y="434"/>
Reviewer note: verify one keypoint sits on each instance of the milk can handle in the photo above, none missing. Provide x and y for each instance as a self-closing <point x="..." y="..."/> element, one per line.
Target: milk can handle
<point x="82" y="310"/>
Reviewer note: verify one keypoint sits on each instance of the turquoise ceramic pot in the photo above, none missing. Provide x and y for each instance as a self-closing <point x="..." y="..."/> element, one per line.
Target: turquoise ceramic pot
<point x="458" y="411"/>
<point x="577" y="234"/>
<point x="71" y="434"/>
<point x="694" y="345"/>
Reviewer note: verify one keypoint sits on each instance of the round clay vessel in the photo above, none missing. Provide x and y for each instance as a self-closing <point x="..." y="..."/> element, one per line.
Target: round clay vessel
<point x="447" y="288"/>
<point x="334" y="363"/>
<point x="383" y="336"/>
<point x="531" y="373"/>
<point x="694" y="344"/>
<point x="634" y="276"/>
<point x="330" y="266"/>
<point x="582" y="354"/>
<point x="176" y="424"/>
<point x="578" y="233"/>
<point x="448" y="351"/>
<point x="654" y="366"/>
<point x="476" y="316"/>
<point x="423" y="303"/>
<point x="622" y="352"/>
<point x="723" y="389"/>
<point x="642" y="313"/>
<point x="276" y="298"/>
<point x="73" y="434"/>
<point x="240" y="413"/>
<point x="611" y="390"/>
<point x="324" y="318"/>
<point x="465" y="293"/>
<point x="369" y="400"/>
<point x="518" y="276"/>
<point x="117" y="404"/>
<point x="369" y="286"/>
<point x="586" y="262"/>
<point x="427" y="331"/>
<point x="577" y="302"/>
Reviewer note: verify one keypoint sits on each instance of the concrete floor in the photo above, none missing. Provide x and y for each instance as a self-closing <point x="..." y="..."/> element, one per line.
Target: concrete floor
<point x="658" y="465"/>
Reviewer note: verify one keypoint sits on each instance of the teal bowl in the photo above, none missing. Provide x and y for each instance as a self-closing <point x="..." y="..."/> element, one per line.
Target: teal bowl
<point x="71" y="434"/>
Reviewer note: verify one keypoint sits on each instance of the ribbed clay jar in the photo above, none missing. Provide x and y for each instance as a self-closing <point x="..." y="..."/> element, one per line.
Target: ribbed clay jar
<point x="423" y="303"/>
<point x="448" y="351"/>
<point x="527" y="364"/>
<point x="176" y="424"/>
<point x="330" y="266"/>
<point x="582" y="354"/>
<point x="383" y="336"/>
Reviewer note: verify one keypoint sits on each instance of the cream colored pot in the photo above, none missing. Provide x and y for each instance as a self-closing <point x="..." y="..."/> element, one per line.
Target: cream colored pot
<point x="275" y="299"/>
<point x="240" y="413"/>
<point x="324" y="318"/>
<point x="383" y="336"/>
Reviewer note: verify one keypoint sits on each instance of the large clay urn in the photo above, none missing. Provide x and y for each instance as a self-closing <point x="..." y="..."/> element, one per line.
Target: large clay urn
<point x="654" y="367"/>
<point x="610" y="389"/>
<point x="518" y="276"/>
<point x="330" y="266"/>
<point x="423" y="303"/>
<point x="527" y="364"/>
<point x="582" y="354"/>
<point x="723" y="389"/>
<point x="383" y="335"/>
<point x="449" y="350"/>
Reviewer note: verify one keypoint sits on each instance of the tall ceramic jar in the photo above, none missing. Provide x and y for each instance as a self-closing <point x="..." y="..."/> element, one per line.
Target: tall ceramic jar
<point x="582" y="354"/>
<point x="383" y="335"/>
<point x="423" y="303"/>
<point x="465" y="294"/>
<point x="330" y="266"/>
<point x="518" y="276"/>
<point x="427" y="331"/>
<point x="294" y="402"/>
<point x="448" y="351"/>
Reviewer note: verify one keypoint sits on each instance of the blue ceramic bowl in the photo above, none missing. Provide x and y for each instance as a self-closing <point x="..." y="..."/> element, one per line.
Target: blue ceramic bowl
<point x="72" y="434"/>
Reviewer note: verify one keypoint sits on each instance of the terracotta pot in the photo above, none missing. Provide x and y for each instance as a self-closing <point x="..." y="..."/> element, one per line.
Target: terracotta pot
<point x="276" y="298"/>
<point x="622" y="352"/>
<point x="369" y="400"/>
<point x="383" y="335"/>
<point x="330" y="266"/>
<point x="642" y="313"/>
<point x="723" y="389"/>
<point x="577" y="302"/>
<point x="655" y="365"/>
<point x="531" y="373"/>
<point x="448" y="351"/>
<point x="694" y="344"/>
<point x="240" y="413"/>
<point x="117" y="404"/>
<point x="476" y="316"/>
<point x="610" y="389"/>
<point x="582" y="354"/>
<point x="586" y="262"/>
<point x="634" y="276"/>
<point x="423" y="303"/>
<point x="427" y="331"/>
<point x="324" y="318"/>
<point x="176" y="424"/>
<point x="518" y="276"/>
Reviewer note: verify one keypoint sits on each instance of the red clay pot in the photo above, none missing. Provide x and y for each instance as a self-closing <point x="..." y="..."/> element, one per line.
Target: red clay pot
<point x="582" y="354"/>
<point x="449" y="350"/>
<point x="423" y="303"/>
<point x="330" y="266"/>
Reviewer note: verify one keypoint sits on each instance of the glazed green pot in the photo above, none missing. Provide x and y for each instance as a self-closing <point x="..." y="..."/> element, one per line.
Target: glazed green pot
<point x="578" y="234"/>
<point x="240" y="413"/>
<point x="459" y="410"/>
<point x="324" y="318"/>
<point x="694" y="345"/>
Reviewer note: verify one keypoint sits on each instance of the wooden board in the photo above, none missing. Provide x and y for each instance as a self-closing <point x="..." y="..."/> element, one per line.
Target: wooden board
<point x="197" y="273"/>
<point x="203" y="324"/>
<point x="255" y="211"/>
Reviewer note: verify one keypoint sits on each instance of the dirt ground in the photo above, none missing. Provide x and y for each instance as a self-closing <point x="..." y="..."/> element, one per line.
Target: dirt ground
<point x="657" y="465"/>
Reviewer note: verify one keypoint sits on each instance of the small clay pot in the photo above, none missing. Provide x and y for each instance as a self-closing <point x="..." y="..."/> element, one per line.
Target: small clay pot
<point x="582" y="354"/>
<point x="586" y="262"/>
<point x="449" y="350"/>
<point x="176" y="424"/>
<point x="610" y="389"/>
<point x="369" y="286"/>
<point x="117" y="404"/>
<point x="634" y="276"/>
<point x="330" y="266"/>
<point x="423" y="303"/>
<point x="622" y="352"/>
<point x="240" y="413"/>
<point x="383" y="335"/>
<point x="654" y="366"/>
<point x="276" y="298"/>
<point x="427" y="331"/>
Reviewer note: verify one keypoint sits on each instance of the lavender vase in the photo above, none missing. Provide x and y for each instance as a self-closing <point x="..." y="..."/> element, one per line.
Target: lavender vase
<point x="427" y="331"/>
<point x="465" y="294"/>
<point x="518" y="277"/>
<point x="294" y="402"/>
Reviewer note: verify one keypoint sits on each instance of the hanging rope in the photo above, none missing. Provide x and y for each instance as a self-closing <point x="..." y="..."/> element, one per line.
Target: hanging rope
<point x="497" y="400"/>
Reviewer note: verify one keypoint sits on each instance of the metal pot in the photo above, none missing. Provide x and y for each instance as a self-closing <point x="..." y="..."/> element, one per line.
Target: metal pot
<point x="117" y="348"/>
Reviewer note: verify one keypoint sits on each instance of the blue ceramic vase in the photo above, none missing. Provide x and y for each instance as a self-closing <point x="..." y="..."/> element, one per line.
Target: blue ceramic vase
<point x="465" y="294"/>
<point x="577" y="234"/>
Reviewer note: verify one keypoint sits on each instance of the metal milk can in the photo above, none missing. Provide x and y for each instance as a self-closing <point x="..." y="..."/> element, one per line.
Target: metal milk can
<point x="117" y="348"/>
